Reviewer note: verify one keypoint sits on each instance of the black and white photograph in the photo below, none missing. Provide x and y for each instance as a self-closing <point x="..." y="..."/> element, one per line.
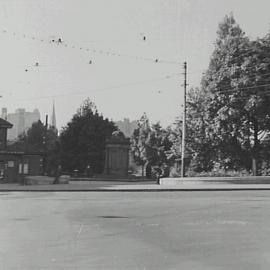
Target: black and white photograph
<point x="134" y="134"/>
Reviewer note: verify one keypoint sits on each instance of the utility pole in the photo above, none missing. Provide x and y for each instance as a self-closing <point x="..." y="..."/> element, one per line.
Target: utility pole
<point x="184" y="123"/>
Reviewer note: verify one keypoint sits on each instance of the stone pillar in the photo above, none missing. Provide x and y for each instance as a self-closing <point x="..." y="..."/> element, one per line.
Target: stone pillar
<point x="117" y="155"/>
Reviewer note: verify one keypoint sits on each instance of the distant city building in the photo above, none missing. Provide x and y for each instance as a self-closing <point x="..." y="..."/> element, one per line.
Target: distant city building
<point x="126" y="126"/>
<point x="21" y="121"/>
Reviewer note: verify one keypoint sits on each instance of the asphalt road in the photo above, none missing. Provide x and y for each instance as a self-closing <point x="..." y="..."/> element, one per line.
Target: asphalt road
<point x="135" y="230"/>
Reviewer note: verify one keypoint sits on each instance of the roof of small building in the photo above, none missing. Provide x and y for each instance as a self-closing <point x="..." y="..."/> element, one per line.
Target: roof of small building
<point x="5" y="124"/>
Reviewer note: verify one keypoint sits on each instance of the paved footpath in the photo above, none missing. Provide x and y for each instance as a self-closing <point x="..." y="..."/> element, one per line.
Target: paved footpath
<point x="133" y="186"/>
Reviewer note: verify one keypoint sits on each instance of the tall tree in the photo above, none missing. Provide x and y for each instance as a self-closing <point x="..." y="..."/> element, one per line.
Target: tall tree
<point x="150" y="145"/>
<point x="237" y="105"/>
<point x="34" y="136"/>
<point x="198" y="150"/>
<point x="41" y="139"/>
<point x="139" y="142"/>
<point x="158" y="146"/>
<point x="199" y="145"/>
<point x="52" y="151"/>
<point x="83" y="139"/>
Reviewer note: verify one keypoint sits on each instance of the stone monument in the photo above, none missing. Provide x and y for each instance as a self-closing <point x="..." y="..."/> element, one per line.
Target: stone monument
<point x="117" y="155"/>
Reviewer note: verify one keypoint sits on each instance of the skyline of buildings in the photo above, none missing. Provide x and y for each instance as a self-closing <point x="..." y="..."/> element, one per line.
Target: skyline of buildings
<point x="22" y="120"/>
<point x="127" y="126"/>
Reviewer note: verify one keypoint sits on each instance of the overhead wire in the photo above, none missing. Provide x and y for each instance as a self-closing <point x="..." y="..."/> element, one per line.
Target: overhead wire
<point x="60" y="41"/>
<point x="104" y="88"/>
<point x="230" y="90"/>
<point x="224" y="88"/>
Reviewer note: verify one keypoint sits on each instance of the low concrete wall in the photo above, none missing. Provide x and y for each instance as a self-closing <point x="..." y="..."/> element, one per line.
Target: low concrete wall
<point x="113" y="178"/>
<point x="45" y="180"/>
<point x="216" y="180"/>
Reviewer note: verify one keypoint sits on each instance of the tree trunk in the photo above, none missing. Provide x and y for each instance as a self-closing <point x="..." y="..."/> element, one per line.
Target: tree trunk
<point x="143" y="171"/>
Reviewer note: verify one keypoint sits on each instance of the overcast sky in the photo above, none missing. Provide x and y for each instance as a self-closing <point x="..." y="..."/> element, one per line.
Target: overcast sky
<point x="122" y="85"/>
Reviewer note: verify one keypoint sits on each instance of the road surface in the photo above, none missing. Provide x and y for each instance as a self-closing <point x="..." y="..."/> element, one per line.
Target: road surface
<point x="135" y="230"/>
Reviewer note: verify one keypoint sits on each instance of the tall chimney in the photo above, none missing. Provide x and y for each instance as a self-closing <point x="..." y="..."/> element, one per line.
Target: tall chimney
<point x="4" y="113"/>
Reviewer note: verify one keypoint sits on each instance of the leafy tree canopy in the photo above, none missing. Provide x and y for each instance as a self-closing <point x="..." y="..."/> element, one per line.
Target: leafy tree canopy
<point x="150" y="145"/>
<point x="237" y="104"/>
<point x="83" y="139"/>
<point x="40" y="139"/>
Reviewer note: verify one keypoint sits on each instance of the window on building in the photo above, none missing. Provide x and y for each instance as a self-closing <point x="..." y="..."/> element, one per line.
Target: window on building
<point x="23" y="168"/>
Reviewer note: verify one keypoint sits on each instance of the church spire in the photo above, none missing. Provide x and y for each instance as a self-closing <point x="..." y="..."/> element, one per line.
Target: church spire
<point x="53" y="118"/>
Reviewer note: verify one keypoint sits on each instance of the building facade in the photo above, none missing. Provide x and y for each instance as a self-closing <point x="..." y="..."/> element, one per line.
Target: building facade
<point x="21" y="121"/>
<point x="15" y="163"/>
